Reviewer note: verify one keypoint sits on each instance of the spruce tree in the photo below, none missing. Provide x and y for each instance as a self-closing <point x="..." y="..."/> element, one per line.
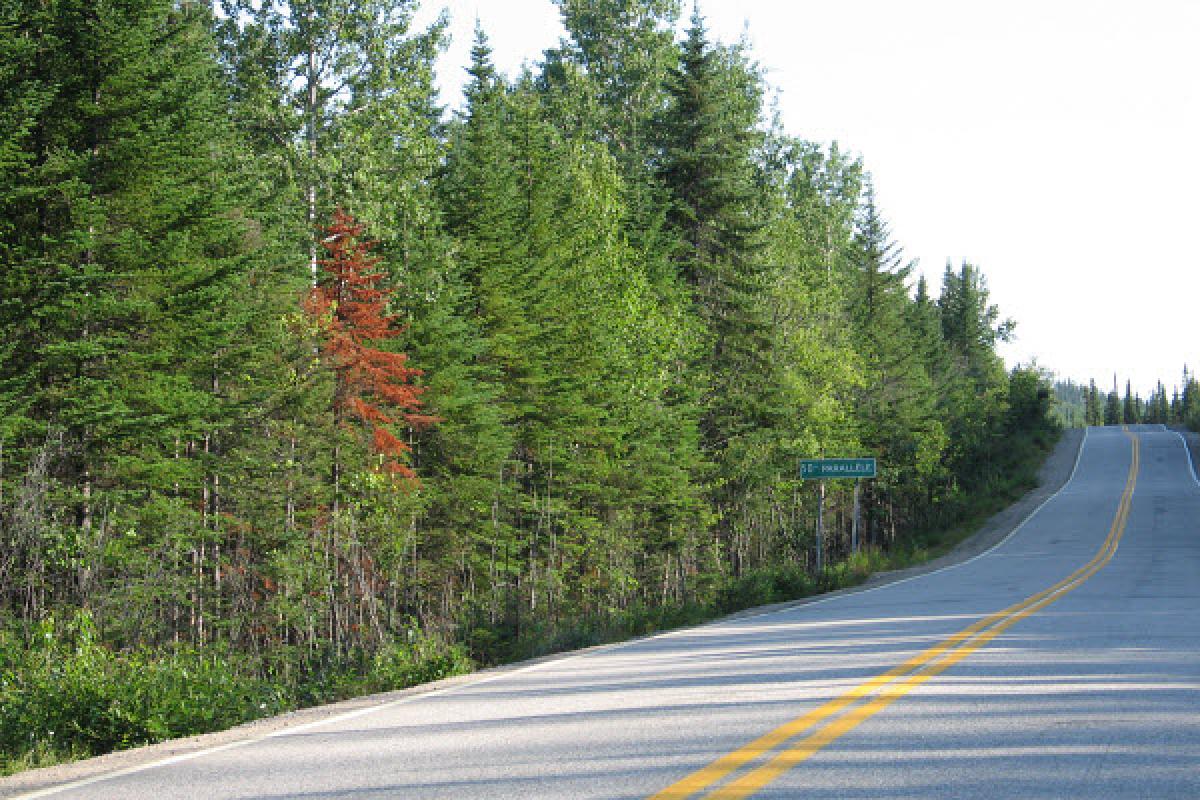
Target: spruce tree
<point x="1129" y="407"/>
<point x="976" y="393"/>
<point x="1094" y="409"/>
<point x="1162" y="412"/>
<point x="1112" y="406"/>
<point x="373" y="387"/>
<point x="897" y="405"/>
<point x="970" y="324"/>
<point x="710" y="143"/>
<point x="709" y="139"/>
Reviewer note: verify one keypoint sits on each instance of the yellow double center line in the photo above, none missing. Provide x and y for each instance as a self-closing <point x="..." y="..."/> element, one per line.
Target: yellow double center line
<point x="888" y="687"/>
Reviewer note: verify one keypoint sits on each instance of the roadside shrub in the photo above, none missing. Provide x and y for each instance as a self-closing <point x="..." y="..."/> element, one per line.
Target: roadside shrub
<point x="64" y="695"/>
<point x="64" y="692"/>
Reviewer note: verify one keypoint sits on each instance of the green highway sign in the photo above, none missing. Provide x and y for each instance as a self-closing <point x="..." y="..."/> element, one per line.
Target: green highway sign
<point x="813" y="468"/>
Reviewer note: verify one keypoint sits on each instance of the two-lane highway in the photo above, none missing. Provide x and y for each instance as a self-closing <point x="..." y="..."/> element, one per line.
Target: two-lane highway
<point x="1065" y="662"/>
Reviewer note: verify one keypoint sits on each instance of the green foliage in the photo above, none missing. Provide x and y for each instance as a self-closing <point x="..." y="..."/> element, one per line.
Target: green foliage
<point x="1180" y="408"/>
<point x="1072" y="407"/>
<point x="68" y="692"/>
<point x="1112" y="407"/>
<point x="64" y="693"/>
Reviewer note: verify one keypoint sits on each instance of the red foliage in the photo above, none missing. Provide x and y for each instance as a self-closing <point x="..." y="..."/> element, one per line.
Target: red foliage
<point x="373" y="386"/>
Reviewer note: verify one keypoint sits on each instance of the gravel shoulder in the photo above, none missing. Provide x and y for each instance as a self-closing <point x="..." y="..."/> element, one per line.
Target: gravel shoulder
<point x="1052" y="476"/>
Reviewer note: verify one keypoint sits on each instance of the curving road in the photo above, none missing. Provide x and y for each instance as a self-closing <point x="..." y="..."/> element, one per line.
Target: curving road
<point x="1065" y="662"/>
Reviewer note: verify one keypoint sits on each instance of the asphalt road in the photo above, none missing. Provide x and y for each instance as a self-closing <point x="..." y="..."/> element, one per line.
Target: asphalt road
<point x="1065" y="662"/>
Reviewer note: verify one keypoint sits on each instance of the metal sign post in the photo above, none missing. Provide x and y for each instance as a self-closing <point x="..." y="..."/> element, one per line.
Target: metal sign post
<point x="820" y="526"/>
<point x="857" y="516"/>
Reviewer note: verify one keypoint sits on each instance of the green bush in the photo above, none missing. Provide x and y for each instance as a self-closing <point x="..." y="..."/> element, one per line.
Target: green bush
<point x="63" y="692"/>
<point x="63" y="695"/>
<point x="426" y="659"/>
<point x="762" y="586"/>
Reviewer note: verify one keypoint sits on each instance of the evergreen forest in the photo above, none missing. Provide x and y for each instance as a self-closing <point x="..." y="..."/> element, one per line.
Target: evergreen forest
<point x="1078" y="405"/>
<point x="310" y="386"/>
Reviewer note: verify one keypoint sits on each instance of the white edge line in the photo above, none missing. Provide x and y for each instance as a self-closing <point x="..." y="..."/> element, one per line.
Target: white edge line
<point x="66" y="787"/>
<point x="165" y="762"/>
<point x="362" y="712"/>
<point x="1188" y="451"/>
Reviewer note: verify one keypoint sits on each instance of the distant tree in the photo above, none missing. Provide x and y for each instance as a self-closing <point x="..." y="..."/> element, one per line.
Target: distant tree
<point x="970" y="323"/>
<point x="1189" y="399"/>
<point x="1112" y="406"/>
<point x="1129" y="407"/>
<point x="1162" y="411"/>
<point x="1070" y="403"/>
<point x="1094" y="410"/>
<point x="1029" y="399"/>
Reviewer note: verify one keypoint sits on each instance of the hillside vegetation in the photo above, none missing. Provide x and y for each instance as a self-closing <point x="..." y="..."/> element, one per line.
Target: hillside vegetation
<point x="310" y="388"/>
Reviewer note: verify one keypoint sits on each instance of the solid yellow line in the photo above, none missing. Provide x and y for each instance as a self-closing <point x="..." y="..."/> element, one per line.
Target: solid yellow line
<point x="723" y="766"/>
<point x="757" y="779"/>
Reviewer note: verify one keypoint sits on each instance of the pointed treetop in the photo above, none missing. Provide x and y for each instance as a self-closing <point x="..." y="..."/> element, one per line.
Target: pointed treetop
<point x="872" y="232"/>
<point x="922" y="291"/>
<point x="481" y="69"/>
<point x="697" y="34"/>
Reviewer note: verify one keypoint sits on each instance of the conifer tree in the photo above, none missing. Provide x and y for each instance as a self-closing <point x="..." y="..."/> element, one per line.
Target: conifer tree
<point x="131" y="255"/>
<point x="709" y="139"/>
<point x="897" y="405"/>
<point x="372" y="386"/>
<point x="1162" y="413"/>
<point x="1112" y="406"/>
<point x="976" y="396"/>
<point x="710" y="143"/>
<point x="1129" y="407"/>
<point x="1189" y="399"/>
<point x="1095" y="411"/>
<point x="970" y="324"/>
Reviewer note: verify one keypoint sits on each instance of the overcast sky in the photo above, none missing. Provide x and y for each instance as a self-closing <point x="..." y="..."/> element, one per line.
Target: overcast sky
<point x="1054" y="143"/>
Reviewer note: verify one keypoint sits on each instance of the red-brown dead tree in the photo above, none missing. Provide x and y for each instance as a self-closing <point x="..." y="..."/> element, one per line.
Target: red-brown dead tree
<point x="374" y="389"/>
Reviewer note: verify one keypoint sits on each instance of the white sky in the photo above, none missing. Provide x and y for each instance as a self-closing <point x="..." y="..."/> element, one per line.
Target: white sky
<point x="1054" y="143"/>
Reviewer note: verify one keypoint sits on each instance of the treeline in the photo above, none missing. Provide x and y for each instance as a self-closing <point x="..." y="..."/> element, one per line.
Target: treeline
<point x="600" y="314"/>
<point x="1078" y="405"/>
